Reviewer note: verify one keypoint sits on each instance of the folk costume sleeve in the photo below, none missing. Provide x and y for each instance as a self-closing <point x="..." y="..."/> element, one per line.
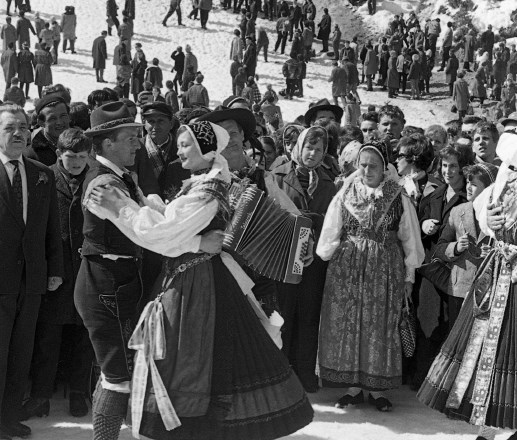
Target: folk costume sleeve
<point x="409" y="236"/>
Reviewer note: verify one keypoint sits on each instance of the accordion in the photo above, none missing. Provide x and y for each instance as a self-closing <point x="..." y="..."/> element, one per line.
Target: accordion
<point x="269" y="239"/>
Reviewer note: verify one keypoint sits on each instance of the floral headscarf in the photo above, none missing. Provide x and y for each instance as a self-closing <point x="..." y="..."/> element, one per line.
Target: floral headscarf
<point x="296" y="157"/>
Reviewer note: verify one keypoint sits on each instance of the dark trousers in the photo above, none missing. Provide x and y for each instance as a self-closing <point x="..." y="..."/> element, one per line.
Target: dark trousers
<point x="451" y="88"/>
<point x="290" y="85"/>
<point x="281" y="39"/>
<point x="170" y="12"/>
<point x="177" y="79"/>
<point x="335" y="48"/>
<point x="372" y="6"/>
<point x="193" y="14"/>
<point x="72" y="44"/>
<point x="300" y="86"/>
<point x="369" y="80"/>
<point x="115" y="22"/>
<point x="125" y="90"/>
<point x="107" y="297"/>
<point x="99" y="73"/>
<point x="432" y="44"/>
<point x="260" y="47"/>
<point x="446" y="56"/>
<point x="325" y="45"/>
<point x="403" y="82"/>
<point x="204" y="17"/>
<point x="55" y="51"/>
<point x="466" y="65"/>
<point x="301" y="305"/>
<point x="45" y="359"/>
<point x="18" y="316"/>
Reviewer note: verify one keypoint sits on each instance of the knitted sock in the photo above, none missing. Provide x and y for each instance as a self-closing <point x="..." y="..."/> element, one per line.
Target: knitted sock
<point x="487" y="432"/>
<point x="109" y="409"/>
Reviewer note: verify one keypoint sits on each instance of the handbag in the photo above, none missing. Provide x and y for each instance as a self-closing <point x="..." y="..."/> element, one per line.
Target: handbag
<point x="437" y="272"/>
<point x="454" y="109"/>
<point x="407" y="330"/>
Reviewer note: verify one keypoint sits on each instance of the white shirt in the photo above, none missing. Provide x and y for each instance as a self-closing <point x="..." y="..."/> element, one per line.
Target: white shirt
<point x="9" y="167"/>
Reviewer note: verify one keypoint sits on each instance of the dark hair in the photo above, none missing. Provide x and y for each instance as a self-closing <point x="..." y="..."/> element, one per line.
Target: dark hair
<point x="74" y="140"/>
<point x="99" y="139"/>
<point x="463" y="154"/>
<point x="420" y="148"/>
<point x="169" y="84"/>
<point x="58" y="90"/>
<point x="156" y="61"/>
<point x="410" y="129"/>
<point x="41" y="116"/>
<point x="99" y="97"/>
<point x="471" y="119"/>
<point x="453" y="127"/>
<point x="436" y="129"/>
<point x="332" y="128"/>
<point x="370" y="116"/>
<point x="486" y="127"/>
<point x="392" y="111"/>
<point x="237" y="32"/>
<point x="481" y="171"/>
<point x="315" y="134"/>
<point x="79" y="115"/>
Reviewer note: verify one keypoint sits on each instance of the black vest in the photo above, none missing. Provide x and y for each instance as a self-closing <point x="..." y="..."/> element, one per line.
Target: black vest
<point x="102" y="236"/>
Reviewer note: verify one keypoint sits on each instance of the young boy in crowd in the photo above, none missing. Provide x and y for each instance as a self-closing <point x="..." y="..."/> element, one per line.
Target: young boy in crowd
<point x="415" y="72"/>
<point x="14" y="93"/>
<point x="154" y="74"/>
<point x="171" y="97"/>
<point x="58" y="321"/>
<point x="240" y="81"/>
<point x="157" y="95"/>
<point x="234" y="70"/>
<point x="146" y="95"/>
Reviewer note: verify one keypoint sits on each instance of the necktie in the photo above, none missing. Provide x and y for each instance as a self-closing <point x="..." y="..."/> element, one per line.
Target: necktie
<point x="17" y="189"/>
<point x="131" y="185"/>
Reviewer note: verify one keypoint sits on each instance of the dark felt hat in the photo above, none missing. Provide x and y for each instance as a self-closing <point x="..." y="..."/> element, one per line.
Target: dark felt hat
<point x="110" y="116"/>
<point x="228" y="102"/>
<point x="322" y="104"/>
<point x="509" y="118"/>
<point x="157" y="108"/>
<point x="46" y="100"/>
<point x="242" y="116"/>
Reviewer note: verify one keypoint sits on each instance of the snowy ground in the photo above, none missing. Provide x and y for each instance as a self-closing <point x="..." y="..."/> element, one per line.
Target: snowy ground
<point x="409" y="421"/>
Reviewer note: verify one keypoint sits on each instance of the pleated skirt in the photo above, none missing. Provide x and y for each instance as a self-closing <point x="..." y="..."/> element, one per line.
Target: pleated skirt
<point x="254" y="394"/>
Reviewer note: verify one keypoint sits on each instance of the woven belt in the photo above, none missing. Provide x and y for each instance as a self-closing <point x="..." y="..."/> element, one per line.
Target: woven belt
<point x="172" y="274"/>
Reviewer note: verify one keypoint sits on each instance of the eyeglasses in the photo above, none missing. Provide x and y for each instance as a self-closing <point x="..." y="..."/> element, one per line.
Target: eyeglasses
<point x="404" y="156"/>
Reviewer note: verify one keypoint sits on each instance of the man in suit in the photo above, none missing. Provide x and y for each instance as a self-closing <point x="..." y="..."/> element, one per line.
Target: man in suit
<point x="31" y="261"/>
<point x="100" y="55"/>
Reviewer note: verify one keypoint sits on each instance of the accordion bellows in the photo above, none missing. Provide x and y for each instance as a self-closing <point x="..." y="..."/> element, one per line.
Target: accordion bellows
<point x="271" y="240"/>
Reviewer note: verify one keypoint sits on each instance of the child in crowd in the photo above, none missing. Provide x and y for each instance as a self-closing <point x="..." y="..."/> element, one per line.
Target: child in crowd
<point x="171" y="97"/>
<point x="154" y="74"/>
<point x="124" y="75"/>
<point x="157" y="95"/>
<point x="240" y="81"/>
<point x="234" y="70"/>
<point x="269" y="92"/>
<point x="14" y="93"/>
<point x="414" y="76"/>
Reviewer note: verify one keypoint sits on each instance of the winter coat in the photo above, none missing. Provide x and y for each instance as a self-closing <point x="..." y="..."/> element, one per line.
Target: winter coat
<point x="447" y="38"/>
<point x="205" y="5"/>
<point x="129" y="9"/>
<point x="68" y="25"/>
<point x="154" y="75"/>
<point x="111" y="8"/>
<point x="508" y="97"/>
<point x="137" y="75"/>
<point x="451" y="70"/>
<point x="23" y="26"/>
<point x="118" y="52"/>
<point x="236" y="48"/>
<point x="461" y="94"/>
<point x="352" y="76"/>
<point x="171" y="99"/>
<point x="469" y="50"/>
<point x="250" y="28"/>
<point x="339" y="81"/>
<point x="179" y="62"/>
<point x="47" y="36"/>
<point x="99" y="53"/>
<point x="190" y="60"/>
<point x="16" y="95"/>
<point x="371" y="63"/>
<point x="197" y="96"/>
<point x="39" y="25"/>
<point x="499" y="72"/>
<point x="8" y="34"/>
<point x="42" y="62"/>
<point x="56" y="31"/>
<point x="349" y="52"/>
<point x="250" y="59"/>
<point x="291" y="69"/>
<point x="415" y="71"/>
<point x="434" y="28"/>
<point x="25" y="66"/>
<point x="512" y="63"/>
<point x="419" y="39"/>
<point x="478" y="89"/>
<point x="125" y="32"/>
<point x="487" y="40"/>
<point x="393" y="80"/>
<point x="311" y="11"/>
<point x="383" y="63"/>
<point x="262" y="38"/>
<point x="296" y="47"/>
<point x="395" y="43"/>
<point x="325" y="26"/>
<point x="9" y="63"/>
<point x="307" y="37"/>
<point x="234" y="68"/>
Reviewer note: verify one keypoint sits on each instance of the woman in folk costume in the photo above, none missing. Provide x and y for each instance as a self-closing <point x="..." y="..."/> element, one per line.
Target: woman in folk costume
<point x="214" y="371"/>
<point x="473" y="377"/>
<point x="371" y="237"/>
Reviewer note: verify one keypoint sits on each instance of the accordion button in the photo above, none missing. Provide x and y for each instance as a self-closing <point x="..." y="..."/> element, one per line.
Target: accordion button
<point x="182" y="267"/>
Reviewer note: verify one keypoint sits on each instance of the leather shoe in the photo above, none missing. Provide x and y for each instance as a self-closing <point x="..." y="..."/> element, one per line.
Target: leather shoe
<point x="78" y="407"/>
<point x="15" y="429"/>
<point x="347" y="399"/>
<point x="35" y="407"/>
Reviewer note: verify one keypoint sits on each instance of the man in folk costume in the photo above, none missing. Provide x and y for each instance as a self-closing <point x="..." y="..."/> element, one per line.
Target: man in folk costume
<point x="108" y="287"/>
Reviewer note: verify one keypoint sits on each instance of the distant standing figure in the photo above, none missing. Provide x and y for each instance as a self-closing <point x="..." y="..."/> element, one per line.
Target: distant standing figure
<point x="111" y="14"/>
<point x="9" y="63"/>
<point x="179" y="65"/>
<point x="39" y="23"/>
<point x="461" y="95"/>
<point x="14" y="93"/>
<point x="23" y="26"/>
<point x="25" y="68"/>
<point x="100" y="55"/>
<point x="197" y="94"/>
<point x="237" y="46"/>
<point x="205" y="6"/>
<point x="129" y="9"/>
<point x="138" y="66"/>
<point x="338" y="80"/>
<point x="190" y="61"/>
<point x="68" y="26"/>
<point x="8" y="33"/>
<point x="46" y="36"/>
<point x="262" y="42"/>
<point x="43" y="72"/>
<point x="336" y="41"/>
<point x="325" y="26"/>
<point x="56" y="33"/>
<point x="250" y="57"/>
